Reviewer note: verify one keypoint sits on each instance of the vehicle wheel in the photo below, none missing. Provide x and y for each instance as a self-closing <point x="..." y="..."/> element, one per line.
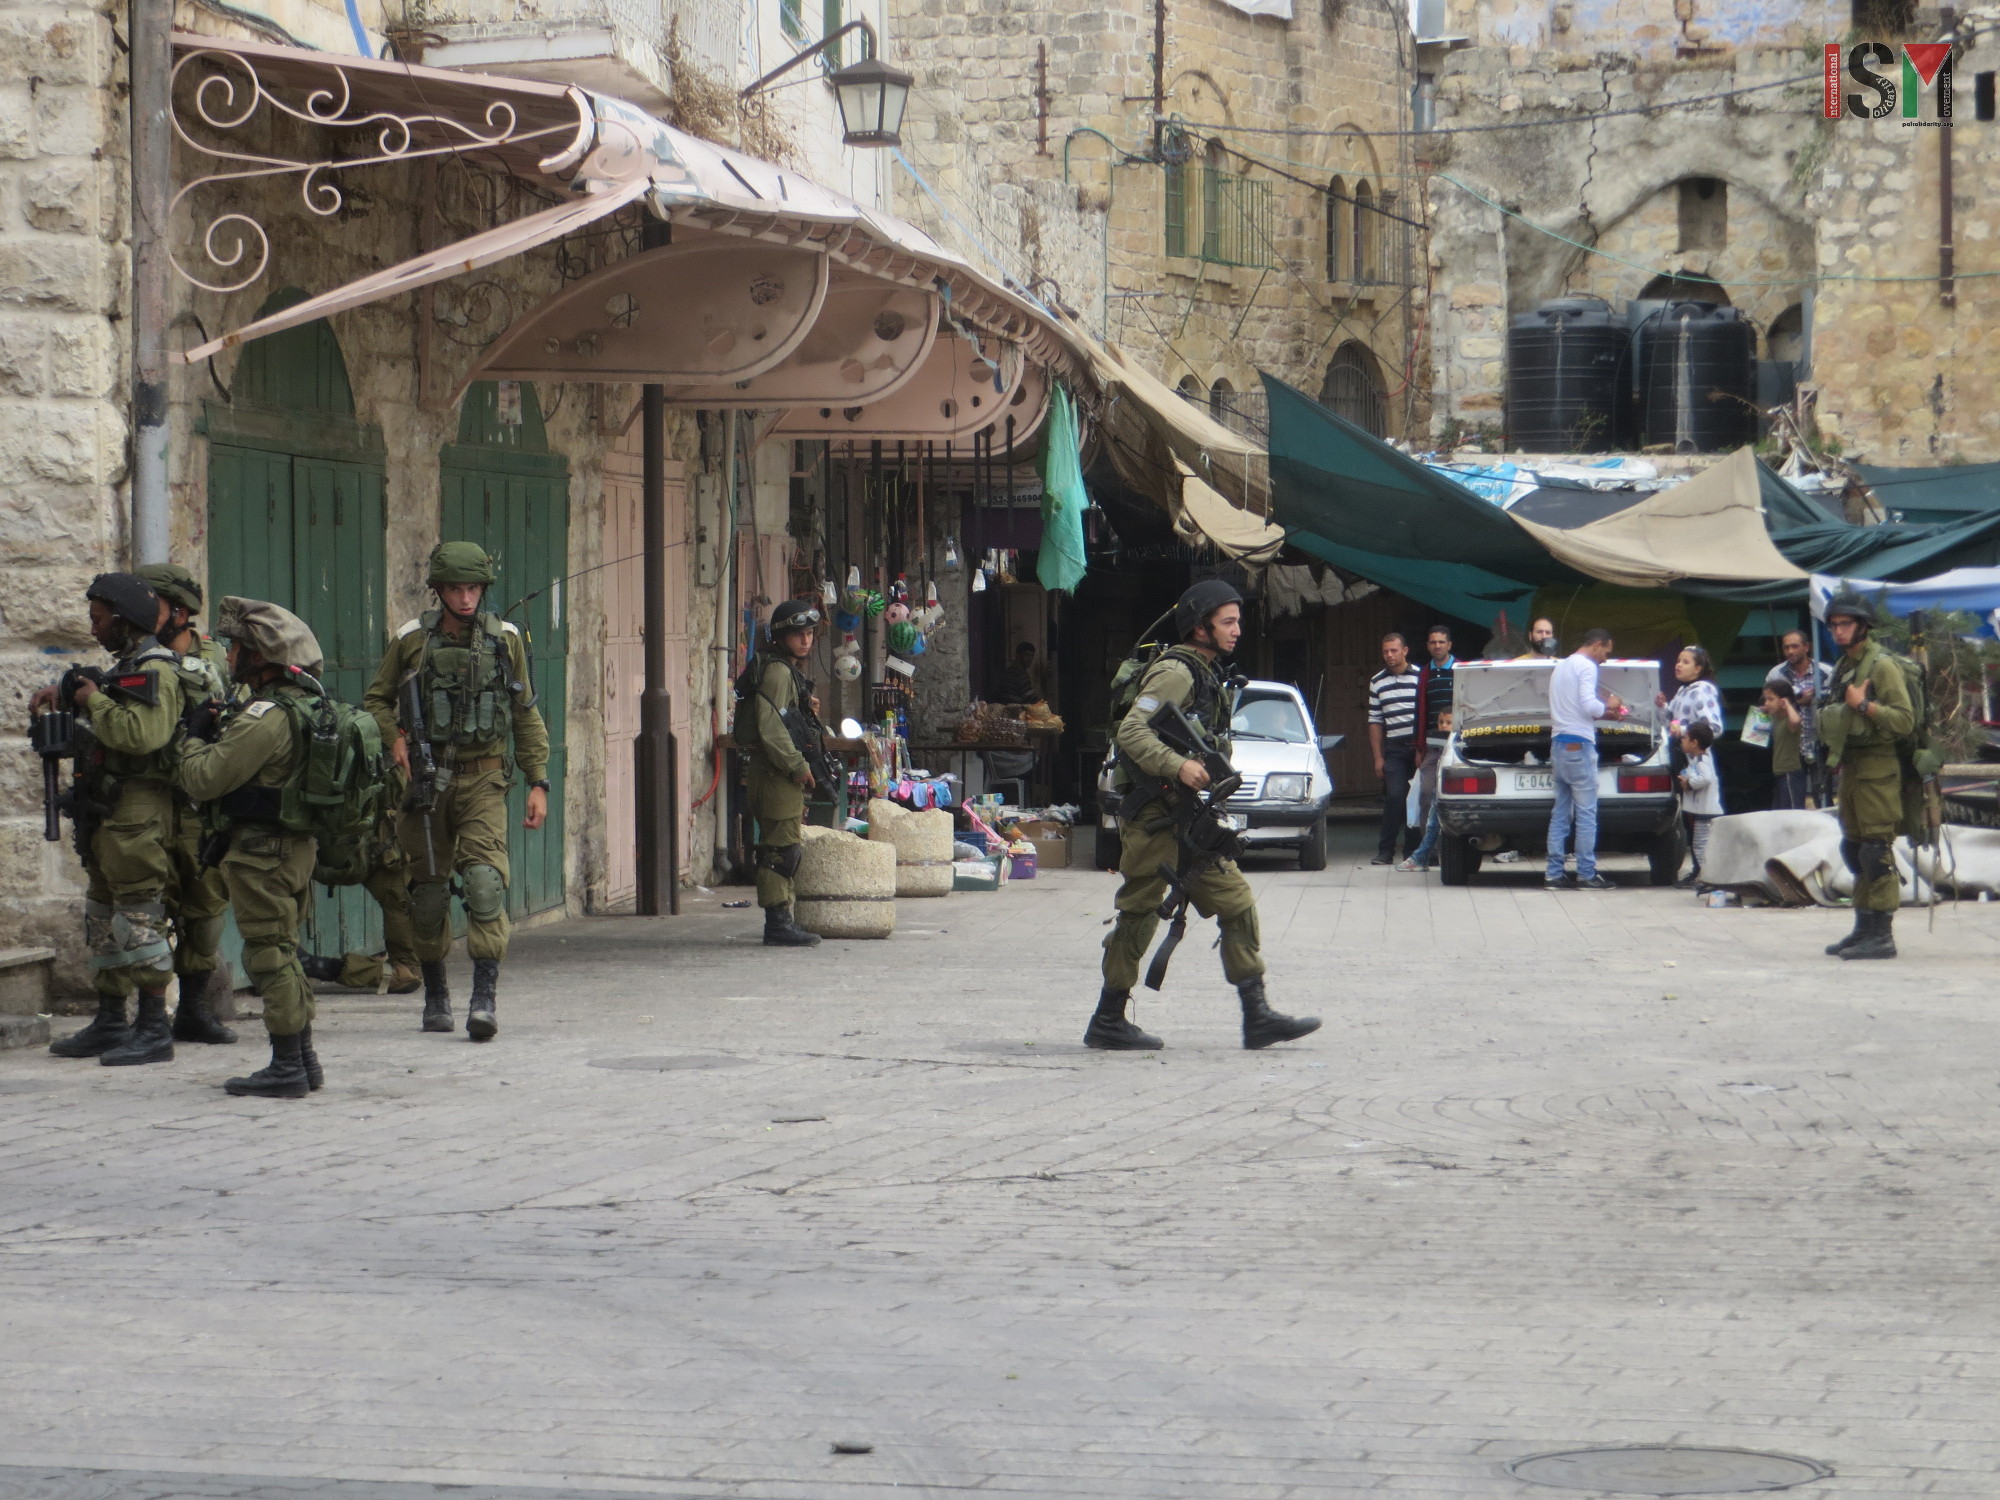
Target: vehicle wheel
<point x="1458" y="861"/>
<point x="1109" y="847"/>
<point x="1312" y="853"/>
<point x="1665" y="854"/>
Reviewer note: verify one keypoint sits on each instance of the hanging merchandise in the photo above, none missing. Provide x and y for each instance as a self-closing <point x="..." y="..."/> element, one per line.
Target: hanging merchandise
<point x="874" y="604"/>
<point x="1060" y="563"/>
<point x="847" y="660"/>
<point x="951" y="562"/>
<point x="979" y="581"/>
<point x="904" y="638"/>
<point x="828" y="594"/>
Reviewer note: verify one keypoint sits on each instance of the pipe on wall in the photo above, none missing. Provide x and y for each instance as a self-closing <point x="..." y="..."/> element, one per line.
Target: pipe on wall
<point x="152" y="23"/>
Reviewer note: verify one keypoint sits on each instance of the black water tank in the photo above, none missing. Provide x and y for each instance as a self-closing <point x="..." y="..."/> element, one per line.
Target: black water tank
<point x="1697" y="371"/>
<point x="1562" y="376"/>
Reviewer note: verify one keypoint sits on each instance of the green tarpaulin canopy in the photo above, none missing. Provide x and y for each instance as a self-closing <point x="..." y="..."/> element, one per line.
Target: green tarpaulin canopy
<point x="1930" y="497"/>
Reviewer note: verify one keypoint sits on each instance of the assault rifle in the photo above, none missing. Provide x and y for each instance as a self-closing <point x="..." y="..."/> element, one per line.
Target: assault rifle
<point x="1203" y="837"/>
<point x="427" y="778"/>
<point x="809" y="736"/>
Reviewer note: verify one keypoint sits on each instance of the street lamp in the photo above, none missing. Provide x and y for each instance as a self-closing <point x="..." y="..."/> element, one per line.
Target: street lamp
<point x="871" y="94"/>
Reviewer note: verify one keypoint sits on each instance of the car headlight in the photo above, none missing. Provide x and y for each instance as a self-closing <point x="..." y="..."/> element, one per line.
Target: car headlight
<point x="1288" y="788"/>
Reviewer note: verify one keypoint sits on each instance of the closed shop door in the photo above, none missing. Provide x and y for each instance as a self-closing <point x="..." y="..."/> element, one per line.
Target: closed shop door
<point x="295" y="516"/>
<point x="503" y="489"/>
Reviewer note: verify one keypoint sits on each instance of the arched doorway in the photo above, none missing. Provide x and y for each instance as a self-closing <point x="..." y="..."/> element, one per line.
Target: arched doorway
<point x="295" y="516"/>
<point x="1354" y="389"/>
<point x="500" y="486"/>
<point x="1685" y="286"/>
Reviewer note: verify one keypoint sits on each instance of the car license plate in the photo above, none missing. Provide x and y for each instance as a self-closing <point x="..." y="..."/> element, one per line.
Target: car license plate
<point x="1234" y="822"/>
<point x="1534" y="781"/>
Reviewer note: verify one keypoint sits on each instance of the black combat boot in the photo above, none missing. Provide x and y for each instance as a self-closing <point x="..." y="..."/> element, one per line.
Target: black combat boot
<point x="1109" y="1031"/>
<point x="323" y="970"/>
<point x="437" y="996"/>
<point x="780" y="931"/>
<point x="194" y="1017"/>
<point x="1834" y="950"/>
<point x="285" y="1078"/>
<point x="151" y="1039"/>
<point x="480" y="1024"/>
<point x="1877" y="937"/>
<point x="106" y="1030"/>
<point x="309" y="1060"/>
<point x="1262" y="1026"/>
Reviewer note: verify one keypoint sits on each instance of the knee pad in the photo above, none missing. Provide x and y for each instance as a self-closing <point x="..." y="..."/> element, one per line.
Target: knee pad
<point x="485" y="892"/>
<point x="781" y="862"/>
<point x="430" y="905"/>
<point x="1875" y="860"/>
<point x="1242" y="926"/>
<point x="136" y="936"/>
<point x="262" y="960"/>
<point x="97" y="929"/>
<point x="1850" y="855"/>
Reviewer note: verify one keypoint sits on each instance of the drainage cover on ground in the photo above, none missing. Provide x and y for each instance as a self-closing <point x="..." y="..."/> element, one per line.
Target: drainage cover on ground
<point x="1668" y="1471"/>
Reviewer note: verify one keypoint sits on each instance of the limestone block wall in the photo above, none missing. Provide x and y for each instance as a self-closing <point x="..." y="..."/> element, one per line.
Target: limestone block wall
<point x="62" y="425"/>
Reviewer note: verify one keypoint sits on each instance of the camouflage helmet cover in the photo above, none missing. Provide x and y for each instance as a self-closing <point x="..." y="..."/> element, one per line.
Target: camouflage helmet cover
<point x="273" y="632"/>
<point x="460" y="562"/>
<point x="174" y="583"/>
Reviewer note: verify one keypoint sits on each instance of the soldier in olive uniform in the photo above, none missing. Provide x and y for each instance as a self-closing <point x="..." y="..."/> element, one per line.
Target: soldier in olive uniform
<point x="196" y="897"/>
<point x="770" y="689"/>
<point x="1151" y="777"/>
<point x="128" y="718"/>
<point x="268" y="867"/>
<point x="475" y="693"/>
<point x="388" y="882"/>
<point x="1869" y="710"/>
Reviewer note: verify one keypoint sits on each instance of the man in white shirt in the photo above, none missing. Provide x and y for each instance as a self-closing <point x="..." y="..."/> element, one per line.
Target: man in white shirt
<point x="1574" y="709"/>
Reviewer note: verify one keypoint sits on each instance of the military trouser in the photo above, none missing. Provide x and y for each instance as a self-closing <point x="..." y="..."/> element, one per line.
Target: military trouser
<point x="468" y="834"/>
<point x="269" y="875"/>
<point x="1870" y="802"/>
<point x="1218" y="890"/>
<point x="389" y="883"/>
<point x="124" y="908"/>
<point x="196" y="899"/>
<point x="778" y="803"/>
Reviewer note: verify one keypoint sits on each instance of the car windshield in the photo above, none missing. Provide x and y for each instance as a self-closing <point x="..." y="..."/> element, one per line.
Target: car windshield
<point x="1271" y="718"/>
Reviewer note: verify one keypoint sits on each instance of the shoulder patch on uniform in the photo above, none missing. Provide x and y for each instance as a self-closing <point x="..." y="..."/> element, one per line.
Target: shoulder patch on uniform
<point x="510" y="627"/>
<point x="1147" y="704"/>
<point x="408" y="627"/>
<point x="258" y="709"/>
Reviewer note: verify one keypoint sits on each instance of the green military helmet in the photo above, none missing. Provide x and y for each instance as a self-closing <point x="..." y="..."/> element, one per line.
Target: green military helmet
<point x="129" y="597"/>
<point x="173" y="583"/>
<point x="461" y="562"/>
<point x="1855" y="608"/>
<point x="272" y="631"/>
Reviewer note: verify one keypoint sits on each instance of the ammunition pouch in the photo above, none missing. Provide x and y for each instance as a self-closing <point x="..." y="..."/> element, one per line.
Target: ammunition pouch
<point x="253" y="804"/>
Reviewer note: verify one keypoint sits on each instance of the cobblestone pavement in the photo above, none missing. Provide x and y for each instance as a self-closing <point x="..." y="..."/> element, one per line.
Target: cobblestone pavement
<point x="1560" y="1170"/>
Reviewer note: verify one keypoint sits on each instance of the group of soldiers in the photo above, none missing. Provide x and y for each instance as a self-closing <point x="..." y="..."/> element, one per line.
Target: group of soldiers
<point x="188" y="758"/>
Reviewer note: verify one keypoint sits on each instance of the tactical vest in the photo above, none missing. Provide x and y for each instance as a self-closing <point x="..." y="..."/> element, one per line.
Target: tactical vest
<point x="1211" y="707"/>
<point x="467" y="682"/>
<point x="102" y="769"/>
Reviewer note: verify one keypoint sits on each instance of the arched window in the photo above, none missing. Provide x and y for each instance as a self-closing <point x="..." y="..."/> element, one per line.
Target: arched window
<point x="1221" y="402"/>
<point x="1213" y="167"/>
<point x="1353" y="389"/>
<point x="1787" y="337"/>
<point x="1363" y="254"/>
<point x="1190" y="390"/>
<point x="1684" y="286"/>
<point x="1336" y="223"/>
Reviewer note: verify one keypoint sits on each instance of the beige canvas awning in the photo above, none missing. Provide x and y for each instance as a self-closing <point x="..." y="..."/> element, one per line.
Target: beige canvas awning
<point x="1204" y="514"/>
<point x="1711" y="528"/>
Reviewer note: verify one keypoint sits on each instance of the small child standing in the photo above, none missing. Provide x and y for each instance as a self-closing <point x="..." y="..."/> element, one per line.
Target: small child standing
<point x="1788" y="767"/>
<point x="1701" y="792"/>
<point x="1420" y="859"/>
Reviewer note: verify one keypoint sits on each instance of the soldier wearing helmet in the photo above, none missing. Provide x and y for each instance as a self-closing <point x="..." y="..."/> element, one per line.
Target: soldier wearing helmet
<point x="477" y="701"/>
<point x="769" y="696"/>
<point x="241" y="769"/>
<point x="1152" y="778"/>
<point x="1868" y="711"/>
<point x="196" y="896"/>
<point x="126" y="818"/>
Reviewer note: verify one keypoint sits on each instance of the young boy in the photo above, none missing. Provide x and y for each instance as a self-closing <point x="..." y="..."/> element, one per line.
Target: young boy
<point x="1788" y="767"/>
<point x="1421" y="859"/>
<point x="1701" y="792"/>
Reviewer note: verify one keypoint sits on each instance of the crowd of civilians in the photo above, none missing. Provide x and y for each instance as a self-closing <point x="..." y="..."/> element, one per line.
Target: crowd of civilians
<point x="1410" y="719"/>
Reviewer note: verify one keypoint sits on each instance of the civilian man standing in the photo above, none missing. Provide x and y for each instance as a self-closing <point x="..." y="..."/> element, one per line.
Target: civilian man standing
<point x="1808" y="680"/>
<point x="1574" y="709"/>
<point x="1392" y="734"/>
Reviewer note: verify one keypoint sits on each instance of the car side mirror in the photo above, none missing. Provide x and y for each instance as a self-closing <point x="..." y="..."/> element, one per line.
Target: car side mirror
<point x="1328" y="743"/>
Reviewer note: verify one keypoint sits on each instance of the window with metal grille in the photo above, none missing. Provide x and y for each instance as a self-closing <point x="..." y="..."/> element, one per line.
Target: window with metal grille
<point x="1353" y="389"/>
<point x="1176" y="214"/>
<point x="1336" y="208"/>
<point x="1227" y="222"/>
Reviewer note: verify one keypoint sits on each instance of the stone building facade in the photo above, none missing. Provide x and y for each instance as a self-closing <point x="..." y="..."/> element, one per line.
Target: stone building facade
<point x="1824" y="233"/>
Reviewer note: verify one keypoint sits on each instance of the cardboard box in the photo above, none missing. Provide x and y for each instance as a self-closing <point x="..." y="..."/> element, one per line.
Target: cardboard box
<point x="1042" y="828"/>
<point x="1051" y="852"/>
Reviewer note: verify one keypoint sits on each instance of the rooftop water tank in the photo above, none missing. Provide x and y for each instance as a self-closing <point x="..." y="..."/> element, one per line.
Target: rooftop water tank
<point x="1563" y="362"/>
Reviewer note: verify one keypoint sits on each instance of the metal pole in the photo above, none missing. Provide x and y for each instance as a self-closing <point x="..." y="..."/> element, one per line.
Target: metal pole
<point x="152" y="167"/>
<point x="655" y="800"/>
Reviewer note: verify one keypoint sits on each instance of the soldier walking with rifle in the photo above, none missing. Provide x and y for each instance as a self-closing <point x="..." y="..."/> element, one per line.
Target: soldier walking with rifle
<point x="1173" y="778"/>
<point x="451" y="694"/>
<point x="777" y="727"/>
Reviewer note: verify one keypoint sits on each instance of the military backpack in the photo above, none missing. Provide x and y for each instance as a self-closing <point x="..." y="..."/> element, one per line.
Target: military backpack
<point x="338" y="789"/>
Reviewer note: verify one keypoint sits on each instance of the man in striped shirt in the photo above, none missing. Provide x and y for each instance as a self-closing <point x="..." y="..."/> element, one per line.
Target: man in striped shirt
<point x="1392" y="734"/>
